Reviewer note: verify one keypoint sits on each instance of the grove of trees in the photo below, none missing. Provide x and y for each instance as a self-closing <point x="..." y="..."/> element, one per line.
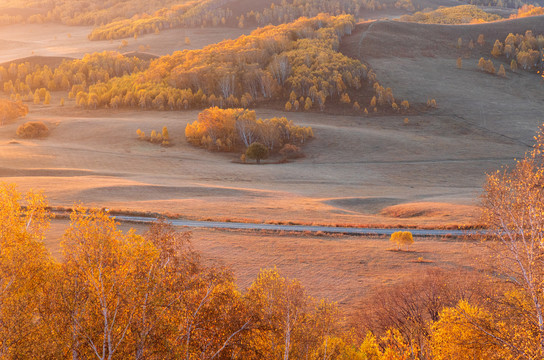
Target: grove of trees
<point x="527" y="50"/>
<point x="234" y="130"/>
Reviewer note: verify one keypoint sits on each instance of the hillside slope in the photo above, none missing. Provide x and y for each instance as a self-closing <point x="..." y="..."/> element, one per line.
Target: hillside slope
<point x="419" y="62"/>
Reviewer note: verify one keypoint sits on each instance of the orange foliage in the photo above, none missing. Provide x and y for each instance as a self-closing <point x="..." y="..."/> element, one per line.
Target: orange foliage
<point x="10" y="110"/>
<point x="236" y="129"/>
<point x="528" y="10"/>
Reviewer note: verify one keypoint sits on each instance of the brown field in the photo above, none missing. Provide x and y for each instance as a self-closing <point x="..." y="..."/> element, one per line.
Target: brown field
<point x="345" y="269"/>
<point x="373" y="170"/>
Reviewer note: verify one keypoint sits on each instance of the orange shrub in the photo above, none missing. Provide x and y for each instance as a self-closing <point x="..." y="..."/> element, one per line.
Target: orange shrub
<point x="32" y="130"/>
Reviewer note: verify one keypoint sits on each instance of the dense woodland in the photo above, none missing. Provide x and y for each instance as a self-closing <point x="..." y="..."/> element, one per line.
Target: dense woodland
<point x="298" y="62"/>
<point x="115" y="295"/>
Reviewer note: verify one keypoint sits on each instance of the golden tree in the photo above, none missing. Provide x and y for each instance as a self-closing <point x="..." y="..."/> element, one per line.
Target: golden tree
<point x="25" y="271"/>
<point x="402" y="238"/>
<point x="513" y="204"/>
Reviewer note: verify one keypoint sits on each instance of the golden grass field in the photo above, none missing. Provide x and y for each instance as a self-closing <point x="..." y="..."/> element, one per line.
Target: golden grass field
<point x="375" y="170"/>
<point x="344" y="269"/>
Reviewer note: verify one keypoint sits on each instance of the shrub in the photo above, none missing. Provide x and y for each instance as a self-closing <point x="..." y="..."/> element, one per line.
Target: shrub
<point x="289" y="151"/>
<point x="32" y="130"/>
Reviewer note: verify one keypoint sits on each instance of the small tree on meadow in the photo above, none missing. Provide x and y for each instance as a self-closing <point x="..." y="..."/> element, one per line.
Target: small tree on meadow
<point x="373" y="102"/>
<point x="513" y="65"/>
<point x="288" y="106"/>
<point x="165" y="136"/>
<point x="308" y="104"/>
<point x="401" y="238"/>
<point x="257" y="151"/>
<point x="141" y="134"/>
<point x="481" y="40"/>
<point x="501" y="71"/>
<point x="459" y="63"/>
<point x="356" y="106"/>
<point x="497" y="49"/>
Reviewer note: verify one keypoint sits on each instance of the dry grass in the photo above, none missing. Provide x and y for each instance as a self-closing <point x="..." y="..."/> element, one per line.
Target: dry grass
<point x="359" y="171"/>
<point x="341" y="268"/>
<point x="375" y="171"/>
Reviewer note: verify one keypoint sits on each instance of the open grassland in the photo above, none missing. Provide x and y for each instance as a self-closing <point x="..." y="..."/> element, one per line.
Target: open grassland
<point x="344" y="269"/>
<point x="429" y="169"/>
<point x="352" y="170"/>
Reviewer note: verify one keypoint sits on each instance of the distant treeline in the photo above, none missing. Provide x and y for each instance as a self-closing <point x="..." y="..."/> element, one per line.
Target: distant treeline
<point x="122" y="18"/>
<point x="462" y="14"/>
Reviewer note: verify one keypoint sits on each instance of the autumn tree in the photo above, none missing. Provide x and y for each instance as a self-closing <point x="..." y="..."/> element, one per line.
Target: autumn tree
<point x="10" y="110"/>
<point x="513" y="65"/>
<point x="410" y="306"/>
<point x="401" y="238"/>
<point x="502" y="71"/>
<point x="257" y="151"/>
<point x="481" y="40"/>
<point x="513" y="203"/>
<point x="497" y="49"/>
<point x="26" y="270"/>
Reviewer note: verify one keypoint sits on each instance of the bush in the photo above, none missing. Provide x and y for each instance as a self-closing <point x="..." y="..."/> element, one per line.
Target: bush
<point x="32" y="130"/>
<point x="290" y="151"/>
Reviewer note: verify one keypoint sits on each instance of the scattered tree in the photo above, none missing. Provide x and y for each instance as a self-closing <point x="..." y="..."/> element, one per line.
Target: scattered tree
<point x="401" y="238"/>
<point x="257" y="151"/>
<point x="501" y="72"/>
<point x="481" y="40"/>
